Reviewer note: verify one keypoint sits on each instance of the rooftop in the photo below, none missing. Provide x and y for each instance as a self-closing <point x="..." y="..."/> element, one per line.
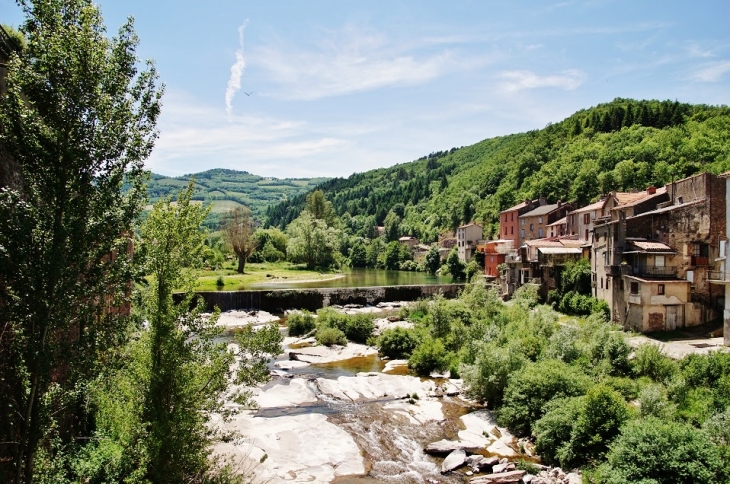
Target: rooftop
<point x="542" y="210"/>
<point x="559" y="222"/>
<point x="519" y="206"/>
<point x="592" y="206"/>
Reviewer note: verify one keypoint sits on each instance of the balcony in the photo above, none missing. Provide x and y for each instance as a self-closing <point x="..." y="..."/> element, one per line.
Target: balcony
<point x="718" y="277"/>
<point x="613" y="270"/>
<point x="698" y="260"/>
<point x="654" y="271"/>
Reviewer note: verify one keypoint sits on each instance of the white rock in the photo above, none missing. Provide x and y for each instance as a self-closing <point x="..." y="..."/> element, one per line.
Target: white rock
<point x="574" y="478"/>
<point x="295" y="393"/>
<point x="288" y="444"/>
<point x="454" y="460"/>
<point x="501" y="448"/>
<point x="290" y="364"/>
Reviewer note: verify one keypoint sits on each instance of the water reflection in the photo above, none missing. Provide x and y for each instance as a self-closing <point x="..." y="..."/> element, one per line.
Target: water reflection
<point x="358" y="277"/>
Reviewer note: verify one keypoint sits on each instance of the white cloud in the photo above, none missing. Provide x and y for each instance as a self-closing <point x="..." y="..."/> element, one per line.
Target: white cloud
<point x="713" y="72"/>
<point x="351" y="61"/>
<point x="234" y="82"/>
<point x="519" y="80"/>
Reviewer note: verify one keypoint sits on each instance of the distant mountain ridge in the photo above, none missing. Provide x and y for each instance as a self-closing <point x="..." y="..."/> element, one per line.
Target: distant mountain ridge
<point x="226" y="189"/>
<point x="621" y="145"/>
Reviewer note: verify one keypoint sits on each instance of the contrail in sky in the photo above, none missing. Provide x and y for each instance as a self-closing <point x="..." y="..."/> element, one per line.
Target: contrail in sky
<point x="234" y="82"/>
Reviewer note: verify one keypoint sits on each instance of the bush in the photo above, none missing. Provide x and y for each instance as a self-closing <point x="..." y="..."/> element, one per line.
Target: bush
<point x="608" y="350"/>
<point x="563" y="345"/>
<point x="300" y="323"/>
<point x="718" y="427"/>
<point x="649" y="361"/>
<point x="409" y="265"/>
<point x="531" y="388"/>
<point x="526" y="296"/>
<point x="331" y="336"/>
<point x="487" y="378"/>
<point x="705" y="370"/>
<point x="428" y="357"/>
<point x="662" y="452"/>
<point x="359" y="328"/>
<point x="398" y="342"/>
<point x="554" y="429"/>
<point x="578" y="430"/>
<point x="653" y="402"/>
<point x="472" y="269"/>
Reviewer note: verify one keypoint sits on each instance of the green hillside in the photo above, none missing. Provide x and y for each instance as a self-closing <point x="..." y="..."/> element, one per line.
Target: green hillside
<point x="619" y="145"/>
<point x="227" y="189"/>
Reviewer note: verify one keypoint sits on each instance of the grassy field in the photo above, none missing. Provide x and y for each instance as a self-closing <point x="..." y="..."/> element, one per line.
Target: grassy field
<point x="258" y="274"/>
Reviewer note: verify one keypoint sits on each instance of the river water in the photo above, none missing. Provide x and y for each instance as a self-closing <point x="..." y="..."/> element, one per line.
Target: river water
<point x="359" y="277"/>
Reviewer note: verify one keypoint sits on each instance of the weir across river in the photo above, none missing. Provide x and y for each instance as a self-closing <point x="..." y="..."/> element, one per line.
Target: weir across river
<point x="279" y="300"/>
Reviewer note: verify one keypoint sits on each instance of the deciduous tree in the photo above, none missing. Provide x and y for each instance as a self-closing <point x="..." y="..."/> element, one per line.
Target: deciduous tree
<point x="239" y="232"/>
<point x="79" y="119"/>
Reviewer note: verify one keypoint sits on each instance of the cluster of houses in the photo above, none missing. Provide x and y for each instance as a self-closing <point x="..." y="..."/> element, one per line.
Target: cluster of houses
<point x="658" y="257"/>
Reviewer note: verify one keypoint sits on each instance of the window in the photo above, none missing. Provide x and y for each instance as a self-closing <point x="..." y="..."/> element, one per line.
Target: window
<point x="660" y="289"/>
<point x="532" y="227"/>
<point x="586" y="218"/>
<point x="511" y="230"/>
<point x="522" y="233"/>
<point x="513" y="217"/>
<point x="702" y="250"/>
<point x="586" y="235"/>
<point x="659" y="260"/>
<point x="601" y="282"/>
<point x="522" y="222"/>
<point x="539" y="220"/>
<point x="621" y="285"/>
<point x="539" y="233"/>
<point x="634" y="288"/>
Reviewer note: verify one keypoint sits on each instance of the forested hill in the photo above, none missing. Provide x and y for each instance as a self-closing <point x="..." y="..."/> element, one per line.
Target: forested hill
<point x="619" y="145"/>
<point x="227" y="189"/>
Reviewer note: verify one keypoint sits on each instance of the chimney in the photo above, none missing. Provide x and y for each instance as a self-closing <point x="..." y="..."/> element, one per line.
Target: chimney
<point x="651" y="190"/>
<point x="560" y="203"/>
<point x="543" y="201"/>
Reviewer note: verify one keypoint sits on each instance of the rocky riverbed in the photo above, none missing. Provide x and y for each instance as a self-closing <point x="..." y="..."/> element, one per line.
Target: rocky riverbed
<point x="342" y="415"/>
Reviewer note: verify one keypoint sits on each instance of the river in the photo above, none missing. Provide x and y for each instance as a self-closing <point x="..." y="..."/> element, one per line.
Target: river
<point x="353" y="420"/>
<point x="358" y="277"/>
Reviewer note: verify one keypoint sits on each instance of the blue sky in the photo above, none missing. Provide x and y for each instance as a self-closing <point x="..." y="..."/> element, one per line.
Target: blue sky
<point x="340" y="87"/>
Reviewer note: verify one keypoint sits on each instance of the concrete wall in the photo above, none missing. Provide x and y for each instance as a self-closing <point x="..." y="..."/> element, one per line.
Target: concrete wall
<point x="313" y="299"/>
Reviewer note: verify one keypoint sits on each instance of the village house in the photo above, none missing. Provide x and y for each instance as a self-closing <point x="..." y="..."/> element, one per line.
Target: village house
<point x="721" y="274"/>
<point x="558" y="228"/>
<point x="661" y="241"/>
<point x="582" y="220"/>
<point x="468" y="238"/>
<point x="495" y="252"/>
<point x="509" y="219"/>
<point x="408" y="240"/>
<point x="533" y="224"/>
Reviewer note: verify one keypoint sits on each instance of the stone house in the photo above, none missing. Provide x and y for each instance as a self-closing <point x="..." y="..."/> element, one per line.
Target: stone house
<point x="533" y="224"/>
<point x="408" y="240"/>
<point x="582" y="220"/>
<point x="668" y="237"/>
<point x="720" y="275"/>
<point x="558" y="228"/>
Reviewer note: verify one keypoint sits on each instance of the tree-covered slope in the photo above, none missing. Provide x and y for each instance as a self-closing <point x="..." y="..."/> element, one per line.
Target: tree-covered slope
<point x="227" y="189"/>
<point x="619" y="145"/>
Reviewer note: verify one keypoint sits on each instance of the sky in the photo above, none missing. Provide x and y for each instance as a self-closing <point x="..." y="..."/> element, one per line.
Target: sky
<point x="328" y="88"/>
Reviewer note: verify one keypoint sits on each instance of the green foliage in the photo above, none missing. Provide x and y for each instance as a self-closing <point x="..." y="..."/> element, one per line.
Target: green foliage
<point x="472" y="269"/>
<point x="312" y="241"/>
<point x="224" y="189"/>
<point x="531" y="388"/>
<point x="593" y="151"/>
<point x="607" y="349"/>
<point x="563" y="345"/>
<point x="654" y="402"/>
<point x="649" y="361"/>
<point x="717" y="427"/>
<point x="78" y="117"/>
<point x="455" y="266"/>
<point x="320" y="208"/>
<point x="358" y="255"/>
<point x="662" y="452"/>
<point x="300" y="323"/>
<point x="526" y="296"/>
<point x="398" y="342"/>
<point x="433" y="260"/>
<point x="329" y="336"/>
<point x="357" y="328"/>
<point x="486" y="378"/>
<point x="578" y="430"/>
<point x="428" y="357"/>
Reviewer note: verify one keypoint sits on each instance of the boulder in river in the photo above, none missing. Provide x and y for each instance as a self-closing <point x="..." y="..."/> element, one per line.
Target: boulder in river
<point x="444" y="447"/>
<point x="501" y="478"/>
<point x="453" y="461"/>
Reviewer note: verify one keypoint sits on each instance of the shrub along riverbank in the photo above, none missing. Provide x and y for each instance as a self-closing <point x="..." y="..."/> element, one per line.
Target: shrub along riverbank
<point x="575" y="387"/>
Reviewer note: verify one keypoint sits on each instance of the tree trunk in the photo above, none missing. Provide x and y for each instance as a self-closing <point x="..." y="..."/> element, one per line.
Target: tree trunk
<point x="241" y="264"/>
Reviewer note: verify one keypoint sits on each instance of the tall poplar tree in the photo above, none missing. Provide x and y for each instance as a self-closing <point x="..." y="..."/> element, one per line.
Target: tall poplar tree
<point x="79" y="119"/>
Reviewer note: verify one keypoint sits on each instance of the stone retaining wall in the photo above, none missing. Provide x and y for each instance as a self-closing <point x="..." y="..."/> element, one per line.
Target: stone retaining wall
<point x="313" y="299"/>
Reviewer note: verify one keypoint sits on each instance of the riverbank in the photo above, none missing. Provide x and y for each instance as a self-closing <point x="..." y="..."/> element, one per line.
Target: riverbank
<point x="256" y="274"/>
